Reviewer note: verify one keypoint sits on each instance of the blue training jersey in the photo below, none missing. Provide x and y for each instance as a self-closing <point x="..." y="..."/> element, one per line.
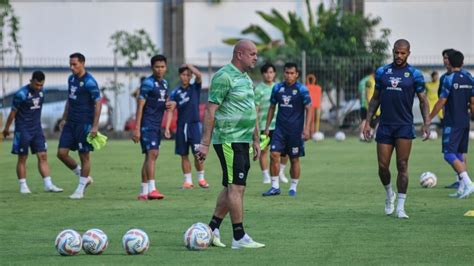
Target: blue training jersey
<point x="28" y="104"/>
<point x="441" y="81"/>
<point x="397" y="87"/>
<point x="84" y="93"/>
<point x="458" y="88"/>
<point x="155" y="93"/>
<point x="187" y="102"/>
<point x="291" y="101"/>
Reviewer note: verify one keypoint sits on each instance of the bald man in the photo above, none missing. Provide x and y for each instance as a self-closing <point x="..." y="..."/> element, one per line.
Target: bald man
<point x="231" y="119"/>
<point x="395" y="88"/>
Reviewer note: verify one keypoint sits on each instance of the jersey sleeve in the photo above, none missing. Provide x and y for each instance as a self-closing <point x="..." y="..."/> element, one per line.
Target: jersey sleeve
<point x="220" y="86"/>
<point x="197" y="86"/>
<point x="258" y="95"/>
<point x="145" y="89"/>
<point x="18" y="99"/>
<point x="446" y="87"/>
<point x="419" y="81"/>
<point x="378" y="78"/>
<point x="173" y="95"/>
<point x="93" y="88"/>
<point x="305" y="95"/>
<point x="274" y="96"/>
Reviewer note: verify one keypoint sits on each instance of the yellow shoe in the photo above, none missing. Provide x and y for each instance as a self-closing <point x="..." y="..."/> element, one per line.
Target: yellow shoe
<point x="216" y="239"/>
<point x="246" y="242"/>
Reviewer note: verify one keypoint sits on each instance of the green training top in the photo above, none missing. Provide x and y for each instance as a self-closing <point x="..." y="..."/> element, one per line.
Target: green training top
<point x="263" y="92"/>
<point x="235" y="118"/>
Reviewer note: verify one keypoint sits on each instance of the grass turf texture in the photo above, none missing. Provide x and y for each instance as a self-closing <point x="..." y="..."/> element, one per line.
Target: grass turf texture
<point x="336" y="218"/>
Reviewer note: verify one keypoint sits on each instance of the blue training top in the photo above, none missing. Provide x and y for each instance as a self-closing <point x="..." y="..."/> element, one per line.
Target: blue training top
<point x="187" y="102"/>
<point x="28" y="103"/>
<point x="155" y="92"/>
<point x="458" y="88"/>
<point x="84" y="93"/>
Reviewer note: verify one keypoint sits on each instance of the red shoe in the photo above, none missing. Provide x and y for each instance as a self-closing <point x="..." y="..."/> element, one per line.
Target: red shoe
<point x="142" y="197"/>
<point x="155" y="194"/>
<point x="187" y="185"/>
<point x="203" y="183"/>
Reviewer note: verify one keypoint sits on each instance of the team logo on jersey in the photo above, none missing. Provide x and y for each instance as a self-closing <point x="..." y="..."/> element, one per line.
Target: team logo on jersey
<point x="282" y="89"/>
<point x="162" y="96"/>
<point x="30" y="95"/>
<point x="36" y="104"/>
<point x="72" y="94"/>
<point x="41" y="94"/>
<point x="407" y="74"/>
<point x="456" y="86"/>
<point x="81" y="84"/>
<point x="394" y="82"/>
<point x="286" y="101"/>
<point x="165" y="85"/>
<point x="389" y="71"/>
<point x="295" y="92"/>
<point x="157" y="84"/>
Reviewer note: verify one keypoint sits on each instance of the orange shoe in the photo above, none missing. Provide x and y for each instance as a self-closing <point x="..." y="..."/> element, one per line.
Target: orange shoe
<point x="187" y="185"/>
<point x="155" y="194"/>
<point x="142" y="197"/>
<point x="203" y="183"/>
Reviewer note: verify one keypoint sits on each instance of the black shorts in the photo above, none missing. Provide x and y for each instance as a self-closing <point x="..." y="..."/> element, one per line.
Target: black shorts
<point x="363" y="113"/>
<point x="235" y="162"/>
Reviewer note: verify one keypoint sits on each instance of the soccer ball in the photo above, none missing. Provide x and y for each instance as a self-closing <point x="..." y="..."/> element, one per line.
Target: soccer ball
<point x="433" y="135"/>
<point x="428" y="180"/>
<point x="340" y="136"/>
<point x="94" y="241"/>
<point x="198" y="237"/>
<point x="135" y="241"/>
<point x="318" y="136"/>
<point x="68" y="242"/>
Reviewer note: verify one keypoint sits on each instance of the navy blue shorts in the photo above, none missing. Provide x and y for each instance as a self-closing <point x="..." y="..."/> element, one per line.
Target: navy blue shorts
<point x="24" y="139"/>
<point x="150" y="139"/>
<point x="287" y="144"/>
<point x="455" y="140"/>
<point x="187" y="136"/>
<point x="74" y="137"/>
<point x="387" y="134"/>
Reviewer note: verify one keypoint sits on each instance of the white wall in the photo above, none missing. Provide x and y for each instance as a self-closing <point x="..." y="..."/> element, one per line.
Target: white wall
<point x="430" y="26"/>
<point x="56" y="29"/>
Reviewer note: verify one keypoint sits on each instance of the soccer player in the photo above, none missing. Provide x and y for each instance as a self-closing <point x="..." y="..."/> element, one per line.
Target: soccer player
<point x="151" y="104"/>
<point x="263" y="92"/>
<point x="80" y="118"/>
<point x="188" y="132"/>
<point x="26" y="111"/>
<point x="291" y="129"/>
<point x="395" y="88"/>
<point x="445" y="53"/>
<point x="230" y="118"/>
<point x="456" y="96"/>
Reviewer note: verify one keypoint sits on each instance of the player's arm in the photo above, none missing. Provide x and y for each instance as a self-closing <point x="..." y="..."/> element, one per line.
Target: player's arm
<point x="209" y="116"/>
<point x="438" y="106"/>
<point x="425" y="113"/>
<point x="170" y="106"/>
<point x="197" y="74"/>
<point x="11" y="117"/>
<point x="309" y="117"/>
<point x="270" y="115"/>
<point x="138" y="120"/>
<point x="374" y="104"/>
<point x="95" y="96"/>
<point x="64" y="117"/>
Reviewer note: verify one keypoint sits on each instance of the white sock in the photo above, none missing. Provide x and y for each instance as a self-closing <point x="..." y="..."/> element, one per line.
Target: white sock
<point x="77" y="170"/>
<point x="465" y="178"/>
<point x="22" y="182"/>
<point x="282" y="168"/>
<point x="188" y="178"/>
<point x="266" y="173"/>
<point x="200" y="175"/>
<point x="388" y="190"/>
<point x="47" y="182"/>
<point x="401" y="201"/>
<point x="151" y="185"/>
<point x="294" y="184"/>
<point x="82" y="184"/>
<point x="144" y="190"/>
<point x="275" y="182"/>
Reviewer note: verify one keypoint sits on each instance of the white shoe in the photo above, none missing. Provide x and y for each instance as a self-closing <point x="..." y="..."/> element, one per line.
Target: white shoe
<point x="53" y="188"/>
<point x="216" y="239"/>
<point x="283" y="177"/>
<point x="246" y="242"/>
<point x="390" y="204"/>
<point x="468" y="190"/>
<point x="25" y="190"/>
<point x="401" y="214"/>
<point x="267" y="180"/>
<point x="457" y="194"/>
<point x="77" y="195"/>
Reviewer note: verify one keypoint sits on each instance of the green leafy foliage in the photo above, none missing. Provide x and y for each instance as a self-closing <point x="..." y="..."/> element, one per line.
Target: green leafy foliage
<point x="132" y="45"/>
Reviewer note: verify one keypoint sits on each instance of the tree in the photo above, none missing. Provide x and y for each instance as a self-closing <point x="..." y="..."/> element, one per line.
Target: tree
<point x="130" y="46"/>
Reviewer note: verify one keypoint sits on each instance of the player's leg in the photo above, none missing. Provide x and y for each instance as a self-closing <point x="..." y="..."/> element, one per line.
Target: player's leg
<point x="182" y="149"/>
<point x="20" y="148"/>
<point x="295" y="150"/>
<point x="150" y="159"/>
<point x="21" y="173"/>
<point x="66" y="143"/>
<point x="283" y="162"/>
<point x="84" y="179"/>
<point x="193" y="141"/>
<point x="403" y="149"/>
<point x="274" y="172"/>
<point x="199" y="165"/>
<point x="295" y="171"/>
<point x="263" y="161"/>
<point x="187" y="172"/>
<point x="39" y="147"/>
<point x="384" y="155"/>
<point x="144" y="185"/>
<point x="459" y="142"/>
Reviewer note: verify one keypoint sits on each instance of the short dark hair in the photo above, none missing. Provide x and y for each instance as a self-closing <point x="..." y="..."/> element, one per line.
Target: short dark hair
<point x="38" y="76"/>
<point x="266" y="67"/>
<point x="291" y="65"/>
<point x="434" y="73"/>
<point x="456" y="58"/>
<point x="447" y="51"/>
<point x="79" y="57"/>
<point x="182" y="69"/>
<point x="156" y="58"/>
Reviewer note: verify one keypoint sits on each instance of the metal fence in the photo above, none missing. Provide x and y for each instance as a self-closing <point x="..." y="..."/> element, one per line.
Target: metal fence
<point x="338" y="77"/>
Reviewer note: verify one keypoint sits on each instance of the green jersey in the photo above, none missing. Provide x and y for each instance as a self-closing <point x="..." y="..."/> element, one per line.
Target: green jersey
<point x="235" y="118"/>
<point x="363" y="91"/>
<point x="263" y="92"/>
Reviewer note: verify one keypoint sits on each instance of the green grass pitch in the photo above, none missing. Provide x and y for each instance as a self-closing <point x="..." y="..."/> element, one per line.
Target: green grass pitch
<point x="336" y="218"/>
